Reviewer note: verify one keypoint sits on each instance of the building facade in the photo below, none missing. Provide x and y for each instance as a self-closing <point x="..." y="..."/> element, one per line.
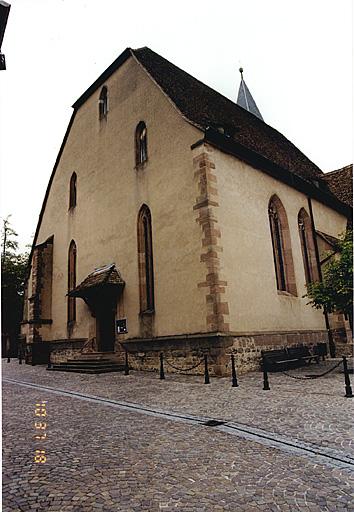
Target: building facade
<point x="179" y="219"/>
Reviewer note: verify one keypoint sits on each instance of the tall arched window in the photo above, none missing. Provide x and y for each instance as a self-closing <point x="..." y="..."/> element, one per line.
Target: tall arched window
<point x="145" y="259"/>
<point x="307" y="246"/>
<point x="281" y="242"/>
<point x="72" y="193"/>
<point x="140" y="143"/>
<point x="72" y="281"/>
<point x="103" y="103"/>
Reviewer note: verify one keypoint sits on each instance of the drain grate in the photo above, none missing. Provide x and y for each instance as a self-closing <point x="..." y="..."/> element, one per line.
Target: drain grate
<point x="214" y="423"/>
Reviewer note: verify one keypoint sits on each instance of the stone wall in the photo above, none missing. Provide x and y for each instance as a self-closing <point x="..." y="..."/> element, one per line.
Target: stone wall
<point x="247" y="349"/>
<point x="184" y="353"/>
<point x="62" y="350"/>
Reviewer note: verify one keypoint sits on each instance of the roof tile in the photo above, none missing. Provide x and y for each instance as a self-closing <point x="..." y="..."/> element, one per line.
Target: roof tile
<point x="205" y="107"/>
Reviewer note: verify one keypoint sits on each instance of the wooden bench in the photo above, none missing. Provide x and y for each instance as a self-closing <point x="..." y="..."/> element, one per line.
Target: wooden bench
<point x="273" y="360"/>
<point x="302" y="354"/>
<point x="284" y="359"/>
<point x="321" y="350"/>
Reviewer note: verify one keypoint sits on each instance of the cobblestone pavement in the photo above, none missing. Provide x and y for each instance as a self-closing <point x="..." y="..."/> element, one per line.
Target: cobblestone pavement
<point x="105" y="458"/>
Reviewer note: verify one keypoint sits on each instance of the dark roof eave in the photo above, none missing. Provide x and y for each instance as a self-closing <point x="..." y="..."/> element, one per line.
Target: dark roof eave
<point x="232" y="147"/>
<point x="102" y="78"/>
<point x="329" y="239"/>
<point x="85" y="291"/>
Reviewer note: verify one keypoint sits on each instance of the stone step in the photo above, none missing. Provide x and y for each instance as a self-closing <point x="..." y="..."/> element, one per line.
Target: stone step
<point x="97" y="355"/>
<point x="89" y="362"/>
<point x="88" y="365"/>
<point x="86" y="370"/>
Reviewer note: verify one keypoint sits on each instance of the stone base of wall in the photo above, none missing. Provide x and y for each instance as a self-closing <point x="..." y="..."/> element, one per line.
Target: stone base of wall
<point x="185" y="352"/>
<point x="62" y="350"/>
<point x="342" y="335"/>
<point x="180" y="353"/>
<point x="345" y="349"/>
<point x="247" y="349"/>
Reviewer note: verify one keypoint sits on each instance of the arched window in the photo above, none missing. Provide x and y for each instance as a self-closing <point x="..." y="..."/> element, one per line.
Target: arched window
<point x="72" y="193"/>
<point x="282" y="254"/>
<point x="140" y="143"/>
<point x="72" y="282"/>
<point x="145" y="259"/>
<point x="307" y="246"/>
<point x="103" y="103"/>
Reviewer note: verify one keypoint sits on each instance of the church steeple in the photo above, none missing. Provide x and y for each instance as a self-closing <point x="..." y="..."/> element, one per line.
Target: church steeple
<point x="245" y="100"/>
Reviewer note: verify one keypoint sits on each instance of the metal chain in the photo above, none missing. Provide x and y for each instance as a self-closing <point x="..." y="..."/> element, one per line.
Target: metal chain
<point x="184" y="369"/>
<point x="175" y="367"/>
<point x="310" y="377"/>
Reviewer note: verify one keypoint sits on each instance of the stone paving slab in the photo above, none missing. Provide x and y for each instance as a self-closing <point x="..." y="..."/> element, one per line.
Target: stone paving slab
<point x="103" y="459"/>
<point x="326" y="455"/>
<point x="311" y="411"/>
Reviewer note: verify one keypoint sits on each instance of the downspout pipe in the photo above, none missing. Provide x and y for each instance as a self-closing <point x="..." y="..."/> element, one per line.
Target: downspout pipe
<point x="332" y="347"/>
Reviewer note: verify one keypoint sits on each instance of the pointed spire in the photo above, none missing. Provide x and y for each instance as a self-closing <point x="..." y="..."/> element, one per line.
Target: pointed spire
<point x="245" y="100"/>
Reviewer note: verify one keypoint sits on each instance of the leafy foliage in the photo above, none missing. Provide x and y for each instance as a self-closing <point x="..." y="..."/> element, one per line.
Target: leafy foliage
<point x="335" y="292"/>
<point x="13" y="272"/>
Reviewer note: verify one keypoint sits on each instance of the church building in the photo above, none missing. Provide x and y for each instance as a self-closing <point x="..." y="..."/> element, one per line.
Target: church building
<point x="178" y="221"/>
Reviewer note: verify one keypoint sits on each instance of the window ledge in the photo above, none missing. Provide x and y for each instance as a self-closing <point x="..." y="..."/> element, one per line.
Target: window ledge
<point x="141" y="166"/>
<point x="47" y="321"/>
<point x="147" y="312"/>
<point x="286" y="294"/>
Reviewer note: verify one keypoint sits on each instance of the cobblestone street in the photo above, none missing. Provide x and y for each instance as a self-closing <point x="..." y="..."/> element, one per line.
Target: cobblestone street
<point x="131" y="443"/>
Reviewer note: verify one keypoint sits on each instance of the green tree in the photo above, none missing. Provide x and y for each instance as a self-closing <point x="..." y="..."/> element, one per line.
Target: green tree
<point x="335" y="291"/>
<point x="13" y="273"/>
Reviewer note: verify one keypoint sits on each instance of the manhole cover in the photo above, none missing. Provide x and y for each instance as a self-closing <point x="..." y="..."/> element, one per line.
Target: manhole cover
<point x="214" y="423"/>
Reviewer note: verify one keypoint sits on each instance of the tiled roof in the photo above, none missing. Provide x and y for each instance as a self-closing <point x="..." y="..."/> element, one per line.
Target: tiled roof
<point x="340" y="183"/>
<point x="107" y="275"/>
<point x="205" y="107"/>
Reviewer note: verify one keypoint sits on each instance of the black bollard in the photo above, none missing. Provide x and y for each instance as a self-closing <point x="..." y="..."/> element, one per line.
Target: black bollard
<point x="19" y="358"/>
<point x="348" y="388"/>
<point x="206" y="371"/>
<point x="126" y="366"/>
<point x="8" y="358"/>
<point x="265" y="380"/>
<point x="162" y="373"/>
<point x="234" y="377"/>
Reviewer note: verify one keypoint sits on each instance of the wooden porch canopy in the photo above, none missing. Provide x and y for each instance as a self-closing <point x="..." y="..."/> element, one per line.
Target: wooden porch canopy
<point x="103" y="285"/>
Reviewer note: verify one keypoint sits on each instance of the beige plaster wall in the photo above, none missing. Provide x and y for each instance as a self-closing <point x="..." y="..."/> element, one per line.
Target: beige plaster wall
<point x="327" y="220"/>
<point x="254" y="303"/>
<point x="110" y="192"/>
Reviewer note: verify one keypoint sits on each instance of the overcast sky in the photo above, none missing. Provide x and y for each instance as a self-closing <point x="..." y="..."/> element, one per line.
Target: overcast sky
<point x="296" y="54"/>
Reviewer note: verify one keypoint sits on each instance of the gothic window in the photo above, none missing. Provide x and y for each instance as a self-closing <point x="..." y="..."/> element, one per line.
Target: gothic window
<point x="72" y="282"/>
<point x="307" y="246"/>
<point x="140" y="143"/>
<point x="103" y="103"/>
<point x="72" y="193"/>
<point x="282" y="254"/>
<point x="145" y="259"/>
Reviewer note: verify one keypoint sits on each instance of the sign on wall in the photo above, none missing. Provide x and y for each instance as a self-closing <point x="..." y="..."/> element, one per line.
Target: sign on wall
<point x="121" y="326"/>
